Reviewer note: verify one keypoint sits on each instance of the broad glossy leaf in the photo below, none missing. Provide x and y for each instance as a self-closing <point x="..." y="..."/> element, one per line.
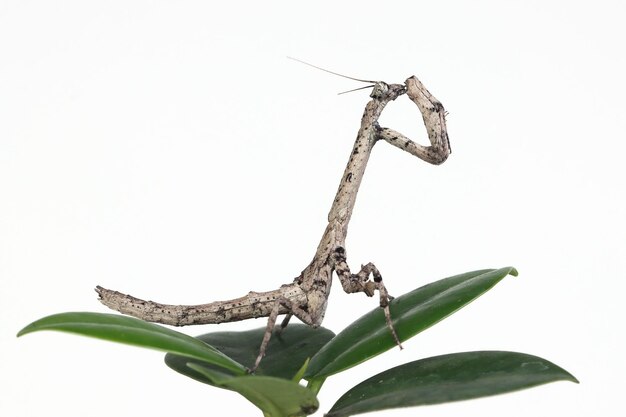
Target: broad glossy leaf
<point x="411" y="313"/>
<point x="276" y="397"/>
<point x="447" y="378"/>
<point x="131" y="331"/>
<point x="285" y="354"/>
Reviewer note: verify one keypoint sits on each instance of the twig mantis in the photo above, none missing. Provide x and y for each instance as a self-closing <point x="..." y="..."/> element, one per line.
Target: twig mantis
<point x="307" y="296"/>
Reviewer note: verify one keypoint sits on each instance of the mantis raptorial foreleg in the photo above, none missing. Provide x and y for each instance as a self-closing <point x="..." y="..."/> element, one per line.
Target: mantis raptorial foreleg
<point x="307" y="297"/>
<point x="434" y="117"/>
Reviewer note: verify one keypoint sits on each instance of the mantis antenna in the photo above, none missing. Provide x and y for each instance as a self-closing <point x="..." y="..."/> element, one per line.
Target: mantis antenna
<point x="339" y="75"/>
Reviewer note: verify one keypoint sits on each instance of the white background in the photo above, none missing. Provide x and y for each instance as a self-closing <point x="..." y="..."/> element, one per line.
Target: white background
<point x="170" y="150"/>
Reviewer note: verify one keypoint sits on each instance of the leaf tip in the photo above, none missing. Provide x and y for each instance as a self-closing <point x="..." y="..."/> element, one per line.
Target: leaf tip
<point x="28" y="329"/>
<point x="571" y="378"/>
<point x="513" y="271"/>
<point x="300" y="373"/>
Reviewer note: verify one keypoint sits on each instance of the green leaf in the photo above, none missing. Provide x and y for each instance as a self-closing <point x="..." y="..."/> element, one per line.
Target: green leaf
<point x="454" y="377"/>
<point x="276" y="397"/>
<point x="286" y="351"/>
<point x="135" y="332"/>
<point x="298" y="376"/>
<point x="411" y="313"/>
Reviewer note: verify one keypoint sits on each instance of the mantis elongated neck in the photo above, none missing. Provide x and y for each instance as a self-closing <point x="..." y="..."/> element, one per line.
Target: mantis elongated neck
<point x="343" y="204"/>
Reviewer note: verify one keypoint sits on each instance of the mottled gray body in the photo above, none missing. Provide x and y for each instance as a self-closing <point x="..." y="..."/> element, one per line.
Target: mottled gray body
<point x="307" y="296"/>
